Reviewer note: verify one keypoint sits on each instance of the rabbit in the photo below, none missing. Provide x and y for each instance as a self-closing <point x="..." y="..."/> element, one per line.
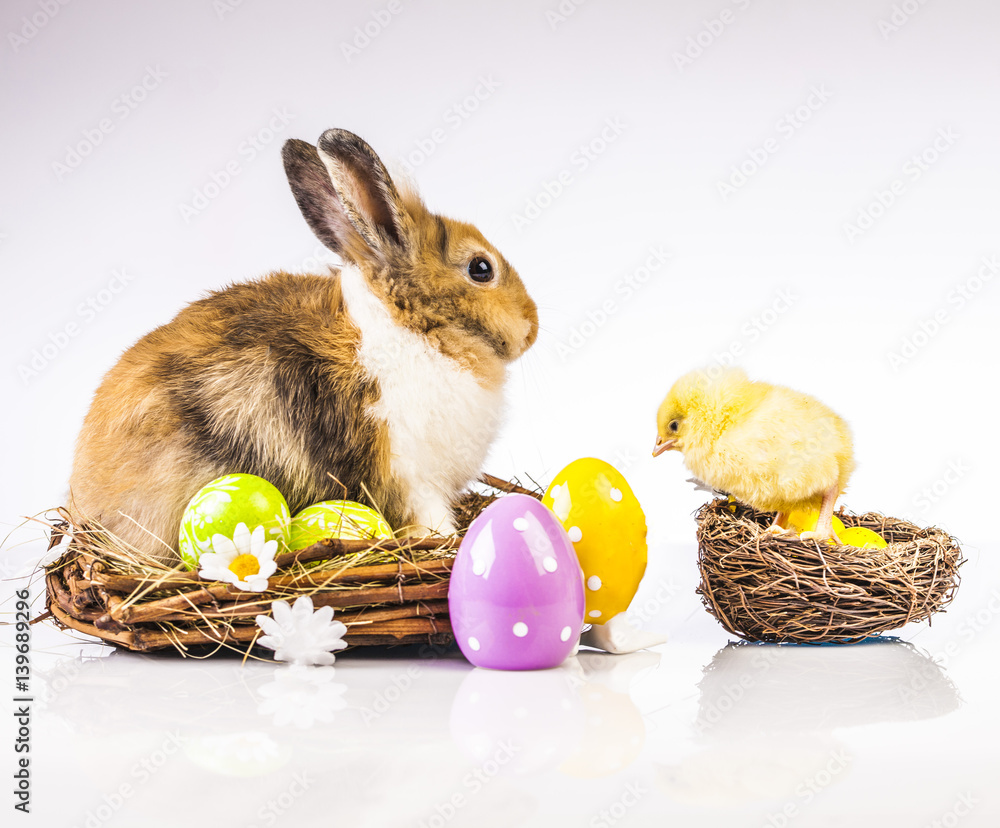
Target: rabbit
<point x="380" y="382"/>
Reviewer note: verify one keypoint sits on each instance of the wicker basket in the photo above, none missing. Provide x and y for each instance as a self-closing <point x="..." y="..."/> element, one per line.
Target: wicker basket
<point x="386" y="593"/>
<point x="765" y="587"/>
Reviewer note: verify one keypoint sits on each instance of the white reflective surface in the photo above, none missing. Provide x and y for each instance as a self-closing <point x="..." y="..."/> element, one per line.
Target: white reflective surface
<point x="700" y="731"/>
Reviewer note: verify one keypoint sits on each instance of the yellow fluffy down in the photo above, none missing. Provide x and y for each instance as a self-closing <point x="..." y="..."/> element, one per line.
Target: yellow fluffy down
<point x="770" y="447"/>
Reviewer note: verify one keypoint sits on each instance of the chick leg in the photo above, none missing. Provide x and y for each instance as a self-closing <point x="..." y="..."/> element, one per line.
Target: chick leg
<point x="824" y="524"/>
<point x="780" y="525"/>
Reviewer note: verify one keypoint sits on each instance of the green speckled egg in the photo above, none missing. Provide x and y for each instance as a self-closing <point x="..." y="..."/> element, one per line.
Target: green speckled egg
<point x="227" y="501"/>
<point x="342" y="519"/>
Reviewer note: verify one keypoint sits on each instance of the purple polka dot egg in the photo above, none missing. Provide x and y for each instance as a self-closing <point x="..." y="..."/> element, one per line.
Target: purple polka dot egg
<point x="516" y="597"/>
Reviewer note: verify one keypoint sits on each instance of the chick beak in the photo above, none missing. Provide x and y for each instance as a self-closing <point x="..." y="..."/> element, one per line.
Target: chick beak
<point x="662" y="446"/>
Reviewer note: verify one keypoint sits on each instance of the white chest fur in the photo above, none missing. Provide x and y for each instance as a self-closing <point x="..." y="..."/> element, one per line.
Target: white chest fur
<point x="441" y="421"/>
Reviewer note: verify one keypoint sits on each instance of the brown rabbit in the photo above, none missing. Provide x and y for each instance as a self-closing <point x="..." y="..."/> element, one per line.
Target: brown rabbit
<point x="384" y="378"/>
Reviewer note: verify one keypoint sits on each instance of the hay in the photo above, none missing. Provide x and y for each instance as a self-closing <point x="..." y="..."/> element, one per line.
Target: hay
<point x="764" y="587"/>
<point x="386" y="592"/>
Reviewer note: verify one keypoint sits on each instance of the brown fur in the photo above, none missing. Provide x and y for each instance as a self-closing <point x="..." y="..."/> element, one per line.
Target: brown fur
<point x="249" y="380"/>
<point x="482" y="327"/>
<point x="262" y="377"/>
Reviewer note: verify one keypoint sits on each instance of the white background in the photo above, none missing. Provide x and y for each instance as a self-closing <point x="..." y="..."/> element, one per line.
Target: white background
<point x="655" y="186"/>
<point x="548" y="84"/>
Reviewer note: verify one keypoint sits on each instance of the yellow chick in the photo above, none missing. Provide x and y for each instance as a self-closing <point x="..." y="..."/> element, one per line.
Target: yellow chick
<point x="770" y="447"/>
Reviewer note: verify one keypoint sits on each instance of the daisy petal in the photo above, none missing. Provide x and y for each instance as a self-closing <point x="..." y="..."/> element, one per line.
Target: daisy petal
<point x="241" y="538"/>
<point x="224" y="547"/>
<point x="267" y="551"/>
<point x="215" y="572"/>
<point x="255" y="542"/>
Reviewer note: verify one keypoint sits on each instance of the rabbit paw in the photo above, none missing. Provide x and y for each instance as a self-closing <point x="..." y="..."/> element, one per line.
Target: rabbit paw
<point x="434" y="519"/>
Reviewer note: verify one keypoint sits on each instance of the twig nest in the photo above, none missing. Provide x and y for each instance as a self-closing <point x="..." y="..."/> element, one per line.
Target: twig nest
<point x="764" y="587"/>
<point x="384" y="591"/>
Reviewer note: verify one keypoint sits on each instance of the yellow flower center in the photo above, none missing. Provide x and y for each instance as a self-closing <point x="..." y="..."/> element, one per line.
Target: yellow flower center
<point x="244" y="565"/>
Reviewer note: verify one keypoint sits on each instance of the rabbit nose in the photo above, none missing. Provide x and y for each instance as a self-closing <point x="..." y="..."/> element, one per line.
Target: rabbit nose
<point x="526" y="335"/>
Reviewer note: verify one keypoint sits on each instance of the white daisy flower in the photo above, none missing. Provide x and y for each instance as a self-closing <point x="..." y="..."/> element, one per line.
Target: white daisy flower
<point x="245" y="560"/>
<point x="299" y="635"/>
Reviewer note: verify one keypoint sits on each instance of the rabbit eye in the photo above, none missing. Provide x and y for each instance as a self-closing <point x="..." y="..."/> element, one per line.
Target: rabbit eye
<point x="480" y="270"/>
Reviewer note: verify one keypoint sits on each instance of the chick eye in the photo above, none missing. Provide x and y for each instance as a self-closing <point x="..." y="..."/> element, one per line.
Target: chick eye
<point x="480" y="270"/>
<point x="674" y="425"/>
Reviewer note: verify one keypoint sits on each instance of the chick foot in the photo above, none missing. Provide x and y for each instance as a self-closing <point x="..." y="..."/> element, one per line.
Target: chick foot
<point x="824" y="524"/>
<point x="780" y="525"/>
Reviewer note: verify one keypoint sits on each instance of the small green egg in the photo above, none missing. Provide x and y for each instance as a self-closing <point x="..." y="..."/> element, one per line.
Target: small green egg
<point x="343" y="519"/>
<point x="224" y="503"/>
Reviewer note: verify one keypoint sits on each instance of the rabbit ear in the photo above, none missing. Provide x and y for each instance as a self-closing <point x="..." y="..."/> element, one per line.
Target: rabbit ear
<point x="345" y="194"/>
<point x="364" y="187"/>
<point x="314" y="193"/>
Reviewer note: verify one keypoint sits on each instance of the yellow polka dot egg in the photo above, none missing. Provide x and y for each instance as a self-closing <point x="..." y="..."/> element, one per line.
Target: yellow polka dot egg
<point x="606" y="524"/>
